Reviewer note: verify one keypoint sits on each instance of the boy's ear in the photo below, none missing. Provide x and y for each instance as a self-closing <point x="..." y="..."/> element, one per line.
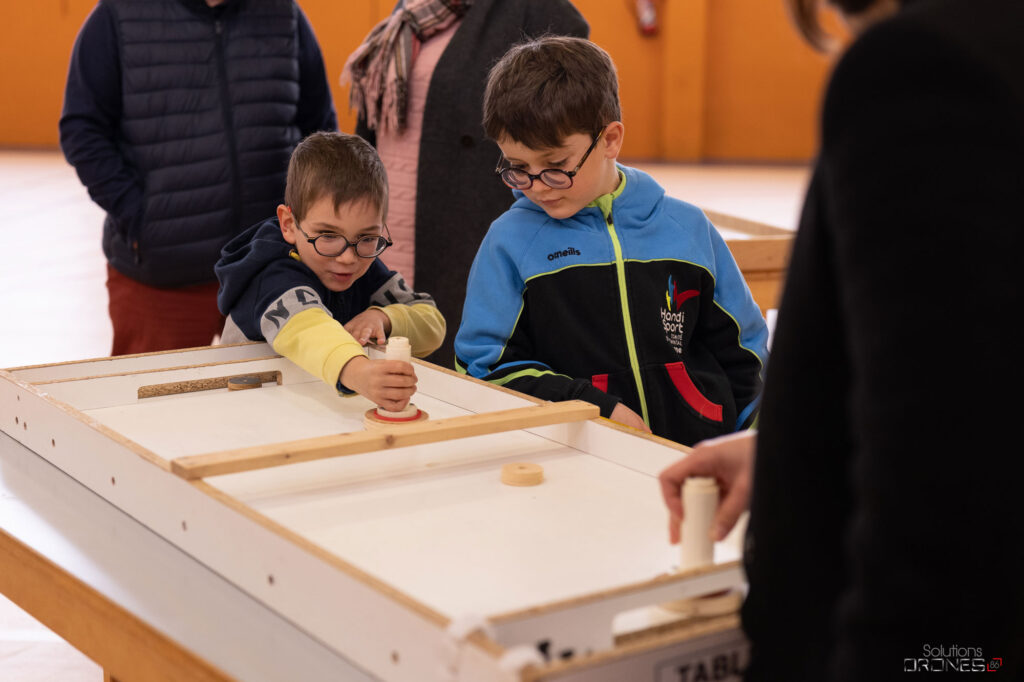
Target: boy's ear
<point x="612" y="139"/>
<point x="287" y="220"/>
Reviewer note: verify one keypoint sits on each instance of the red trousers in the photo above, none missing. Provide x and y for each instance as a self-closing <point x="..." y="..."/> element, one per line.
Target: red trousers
<point x="148" y="319"/>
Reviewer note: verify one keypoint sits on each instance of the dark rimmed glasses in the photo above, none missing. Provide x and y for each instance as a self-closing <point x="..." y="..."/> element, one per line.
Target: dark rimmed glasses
<point x="555" y="178"/>
<point x="332" y="245"/>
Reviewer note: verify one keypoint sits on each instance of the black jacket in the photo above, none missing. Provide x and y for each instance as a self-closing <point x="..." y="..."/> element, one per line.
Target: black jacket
<point x="885" y="522"/>
<point x="180" y="120"/>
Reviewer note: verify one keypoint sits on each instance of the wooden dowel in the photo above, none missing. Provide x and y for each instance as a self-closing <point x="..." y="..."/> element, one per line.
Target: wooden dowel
<point x="212" y="383"/>
<point x="417" y="433"/>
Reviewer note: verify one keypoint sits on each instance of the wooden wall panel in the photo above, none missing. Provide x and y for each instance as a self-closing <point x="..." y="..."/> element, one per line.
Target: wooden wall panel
<point x="641" y="71"/>
<point x="34" y="56"/>
<point x="36" y="50"/>
<point x="723" y="80"/>
<point x="763" y="84"/>
<point x="683" y="116"/>
<point x="340" y="26"/>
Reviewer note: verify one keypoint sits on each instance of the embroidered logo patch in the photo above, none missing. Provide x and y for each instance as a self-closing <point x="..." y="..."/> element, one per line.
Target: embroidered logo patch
<point x="672" y="318"/>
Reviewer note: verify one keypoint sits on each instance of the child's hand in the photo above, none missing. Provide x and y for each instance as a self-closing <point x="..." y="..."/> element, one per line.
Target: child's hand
<point x="369" y="324"/>
<point x="389" y="383"/>
<point x="628" y="417"/>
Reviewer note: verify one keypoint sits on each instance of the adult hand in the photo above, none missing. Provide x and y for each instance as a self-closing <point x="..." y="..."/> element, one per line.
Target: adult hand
<point x="389" y="383"/>
<point x="730" y="461"/>
<point x="628" y="417"/>
<point x="370" y="324"/>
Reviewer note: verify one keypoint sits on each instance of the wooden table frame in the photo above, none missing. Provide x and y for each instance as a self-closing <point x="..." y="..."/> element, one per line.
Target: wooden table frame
<point x="98" y="627"/>
<point x="96" y="577"/>
<point x="762" y="254"/>
<point x="131" y="477"/>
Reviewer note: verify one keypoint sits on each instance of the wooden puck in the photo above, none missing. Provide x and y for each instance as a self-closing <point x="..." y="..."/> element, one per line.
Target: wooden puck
<point x="373" y="420"/>
<point x="244" y="382"/>
<point x="522" y="473"/>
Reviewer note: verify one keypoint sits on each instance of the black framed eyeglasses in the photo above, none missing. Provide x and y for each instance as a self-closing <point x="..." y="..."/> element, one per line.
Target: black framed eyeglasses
<point x="555" y="178"/>
<point x="332" y="245"/>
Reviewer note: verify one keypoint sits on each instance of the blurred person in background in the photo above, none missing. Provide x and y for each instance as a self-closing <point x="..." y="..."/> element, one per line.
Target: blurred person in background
<point x="417" y="83"/>
<point x="180" y="117"/>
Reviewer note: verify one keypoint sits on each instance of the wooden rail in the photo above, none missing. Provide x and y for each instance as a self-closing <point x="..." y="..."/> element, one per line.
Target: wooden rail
<point x="398" y="436"/>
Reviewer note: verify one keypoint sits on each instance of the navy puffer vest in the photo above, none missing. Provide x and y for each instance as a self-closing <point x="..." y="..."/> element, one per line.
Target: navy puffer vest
<point x="208" y="121"/>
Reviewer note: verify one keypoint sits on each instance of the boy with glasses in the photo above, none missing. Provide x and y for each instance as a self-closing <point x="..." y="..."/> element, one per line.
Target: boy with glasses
<point x="309" y="282"/>
<point x="595" y="285"/>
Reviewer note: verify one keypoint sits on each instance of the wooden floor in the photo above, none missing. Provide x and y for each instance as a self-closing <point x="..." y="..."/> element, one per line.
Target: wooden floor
<point x="53" y="294"/>
<point x="53" y="304"/>
<point x="31" y="653"/>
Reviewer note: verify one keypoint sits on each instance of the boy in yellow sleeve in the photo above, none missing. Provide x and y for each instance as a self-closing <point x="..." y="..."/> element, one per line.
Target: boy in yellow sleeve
<point x="309" y="282"/>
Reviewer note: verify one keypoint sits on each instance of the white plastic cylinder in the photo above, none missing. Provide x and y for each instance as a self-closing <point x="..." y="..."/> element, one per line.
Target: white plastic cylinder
<point x="398" y="348"/>
<point x="700" y="500"/>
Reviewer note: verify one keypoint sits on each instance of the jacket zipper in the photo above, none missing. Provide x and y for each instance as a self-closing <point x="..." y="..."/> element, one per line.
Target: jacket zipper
<point x="229" y="128"/>
<point x="634" y="363"/>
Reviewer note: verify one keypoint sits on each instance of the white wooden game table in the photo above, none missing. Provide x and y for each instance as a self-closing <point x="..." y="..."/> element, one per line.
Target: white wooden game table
<point x="173" y="529"/>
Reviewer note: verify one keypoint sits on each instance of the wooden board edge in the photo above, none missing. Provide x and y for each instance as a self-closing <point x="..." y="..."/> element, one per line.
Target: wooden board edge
<point x="480" y="382"/>
<point x="762" y="254"/>
<point x="108" y="358"/>
<point x="622" y="590"/>
<point x="751" y="227"/>
<point x="159" y="369"/>
<point x="622" y="428"/>
<point x="678" y="632"/>
<point x="125" y="646"/>
<point x="78" y="415"/>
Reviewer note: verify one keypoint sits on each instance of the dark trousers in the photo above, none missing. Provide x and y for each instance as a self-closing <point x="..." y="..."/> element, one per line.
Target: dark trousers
<point x="148" y="319"/>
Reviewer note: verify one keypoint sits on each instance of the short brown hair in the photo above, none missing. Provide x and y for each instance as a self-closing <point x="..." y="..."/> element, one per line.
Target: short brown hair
<point x="342" y="166"/>
<point x="544" y="90"/>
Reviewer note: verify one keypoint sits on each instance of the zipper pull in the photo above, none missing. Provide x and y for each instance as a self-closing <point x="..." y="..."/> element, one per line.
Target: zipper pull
<point x="218" y="27"/>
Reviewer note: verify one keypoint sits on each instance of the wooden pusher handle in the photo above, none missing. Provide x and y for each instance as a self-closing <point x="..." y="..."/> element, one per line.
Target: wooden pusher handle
<point x="357" y="442"/>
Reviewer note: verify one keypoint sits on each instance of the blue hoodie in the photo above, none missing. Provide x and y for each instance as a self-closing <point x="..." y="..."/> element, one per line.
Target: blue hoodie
<point x="634" y="299"/>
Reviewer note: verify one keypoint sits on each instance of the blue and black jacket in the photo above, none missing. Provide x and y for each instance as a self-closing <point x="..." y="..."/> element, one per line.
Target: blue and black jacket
<point x="634" y="299"/>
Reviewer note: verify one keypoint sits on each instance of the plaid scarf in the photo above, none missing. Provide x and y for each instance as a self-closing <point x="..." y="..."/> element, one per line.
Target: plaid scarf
<point x="379" y="68"/>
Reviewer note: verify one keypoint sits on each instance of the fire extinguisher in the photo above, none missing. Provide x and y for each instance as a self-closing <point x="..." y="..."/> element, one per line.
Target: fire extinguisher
<point x="646" y="17"/>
